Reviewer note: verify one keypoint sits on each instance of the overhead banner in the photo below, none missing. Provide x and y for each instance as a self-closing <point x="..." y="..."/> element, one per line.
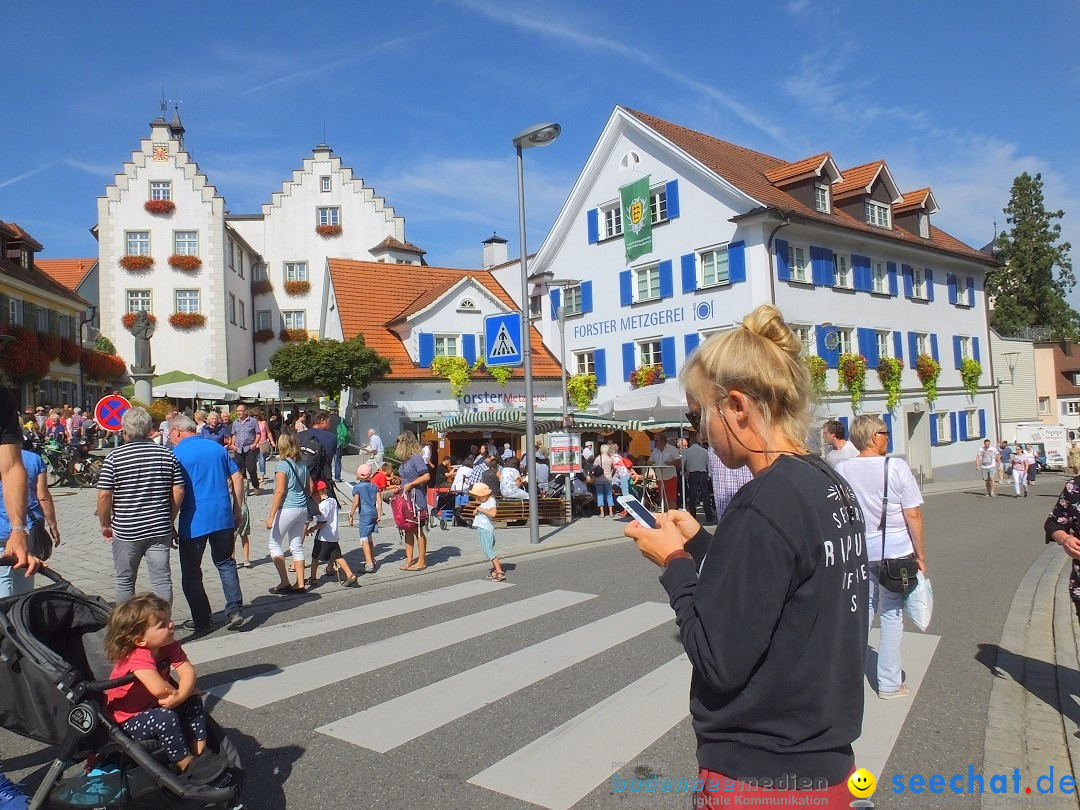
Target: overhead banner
<point x="636" y="218"/>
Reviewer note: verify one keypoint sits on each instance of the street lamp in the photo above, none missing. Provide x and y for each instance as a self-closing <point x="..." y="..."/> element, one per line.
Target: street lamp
<point x="538" y="135"/>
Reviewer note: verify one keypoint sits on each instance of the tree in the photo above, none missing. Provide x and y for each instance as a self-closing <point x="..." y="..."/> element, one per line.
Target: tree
<point x="329" y="366"/>
<point x="1030" y="289"/>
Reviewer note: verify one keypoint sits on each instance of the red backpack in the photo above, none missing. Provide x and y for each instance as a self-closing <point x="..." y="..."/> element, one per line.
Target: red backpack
<point x="404" y="510"/>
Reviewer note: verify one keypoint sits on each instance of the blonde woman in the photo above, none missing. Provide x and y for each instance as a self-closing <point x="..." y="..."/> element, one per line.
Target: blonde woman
<point x="289" y="513"/>
<point x="414" y="474"/>
<point x="777" y="605"/>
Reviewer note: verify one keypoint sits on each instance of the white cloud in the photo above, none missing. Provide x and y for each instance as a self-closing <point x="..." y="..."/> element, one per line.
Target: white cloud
<point x="12" y="180"/>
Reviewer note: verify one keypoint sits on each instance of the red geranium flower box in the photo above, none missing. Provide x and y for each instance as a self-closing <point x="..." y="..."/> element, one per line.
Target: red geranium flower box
<point x="187" y="320"/>
<point x="297" y="287"/>
<point x="328" y="230"/>
<point x="160" y="206"/>
<point x="182" y="261"/>
<point x="128" y="319"/>
<point x="130" y="262"/>
<point x="264" y="335"/>
<point x="293" y="335"/>
<point x="261" y="287"/>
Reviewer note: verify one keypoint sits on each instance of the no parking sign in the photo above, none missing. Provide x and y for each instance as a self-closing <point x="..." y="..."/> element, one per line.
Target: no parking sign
<point x="110" y="410"/>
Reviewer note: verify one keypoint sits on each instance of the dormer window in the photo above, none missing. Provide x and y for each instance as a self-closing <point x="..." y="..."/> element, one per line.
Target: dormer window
<point x="821" y="197"/>
<point x="877" y="214"/>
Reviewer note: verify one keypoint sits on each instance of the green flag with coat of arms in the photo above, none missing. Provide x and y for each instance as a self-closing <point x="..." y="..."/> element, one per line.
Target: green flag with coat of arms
<point x="636" y="218"/>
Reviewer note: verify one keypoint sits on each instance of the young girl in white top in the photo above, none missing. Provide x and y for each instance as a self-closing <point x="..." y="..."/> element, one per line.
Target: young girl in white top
<point x="485" y="529"/>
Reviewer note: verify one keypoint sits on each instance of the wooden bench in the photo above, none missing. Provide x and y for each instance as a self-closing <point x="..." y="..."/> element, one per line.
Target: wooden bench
<point x="513" y="510"/>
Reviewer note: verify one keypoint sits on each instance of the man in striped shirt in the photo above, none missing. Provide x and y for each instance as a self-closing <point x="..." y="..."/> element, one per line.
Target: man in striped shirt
<point x="140" y="490"/>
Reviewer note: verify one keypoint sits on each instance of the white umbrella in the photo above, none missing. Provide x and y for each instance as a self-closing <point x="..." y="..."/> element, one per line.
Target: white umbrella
<point x="263" y="389"/>
<point x="664" y="402"/>
<point x="195" y="389"/>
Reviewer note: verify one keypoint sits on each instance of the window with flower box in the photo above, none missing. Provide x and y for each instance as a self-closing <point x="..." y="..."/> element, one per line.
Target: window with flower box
<point x="160" y="189"/>
<point x="294" y="319"/>
<point x="328" y="216"/>
<point x="259" y="273"/>
<point x="649" y="353"/>
<point x="296" y="271"/>
<point x="262" y="320"/>
<point x="446" y="346"/>
<point x="186" y="243"/>
<point x="138" y="300"/>
<point x="138" y="243"/>
<point x="187" y="301"/>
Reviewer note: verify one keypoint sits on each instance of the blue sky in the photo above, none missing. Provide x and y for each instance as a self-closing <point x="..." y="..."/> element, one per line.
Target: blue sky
<point x="422" y="99"/>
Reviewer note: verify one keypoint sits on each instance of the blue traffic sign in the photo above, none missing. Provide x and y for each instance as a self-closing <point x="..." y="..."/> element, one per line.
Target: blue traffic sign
<point x="502" y="339"/>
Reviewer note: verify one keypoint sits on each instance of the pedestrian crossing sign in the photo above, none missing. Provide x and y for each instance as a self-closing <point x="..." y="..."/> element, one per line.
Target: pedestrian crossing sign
<point x="502" y="339"/>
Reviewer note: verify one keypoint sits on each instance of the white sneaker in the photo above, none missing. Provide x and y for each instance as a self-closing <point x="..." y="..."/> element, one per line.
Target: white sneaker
<point x="902" y="692"/>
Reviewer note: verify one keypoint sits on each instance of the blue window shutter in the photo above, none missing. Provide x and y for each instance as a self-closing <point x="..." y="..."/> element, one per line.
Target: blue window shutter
<point x="427" y="349"/>
<point x="690" y="342"/>
<point x="913" y="347"/>
<point x="933" y="347"/>
<point x="898" y="345"/>
<point x="861" y="273"/>
<point x="957" y="354"/>
<point x="600" y="366"/>
<point x="689" y="272"/>
<point x="556" y="301"/>
<point x="830" y="356"/>
<point x="586" y="296"/>
<point x="963" y="427"/>
<point x="867" y="346"/>
<point x="894" y="287"/>
<point x="950" y="282"/>
<point x="933" y="428"/>
<point x="982" y="423"/>
<point x="817" y="270"/>
<point x="975" y="350"/>
<point x="736" y="262"/>
<point x="594" y="225"/>
<point x="667" y="282"/>
<point x="929" y="284"/>
<point x="468" y="348"/>
<point x="783" y="272"/>
<point x="672" y="189"/>
<point x="629" y="360"/>
<point x="843" y="420"/>
<point x="970" y="291"/>
<point x="667" y="356"/>
<point x="888" y="420"/>
<point x="626" y="289"/>
<point x="952" y="425"/>
<point x="909" y="281"/>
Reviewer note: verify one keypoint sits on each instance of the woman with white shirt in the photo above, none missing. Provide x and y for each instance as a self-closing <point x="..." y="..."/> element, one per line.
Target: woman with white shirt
<point x="901" y="537"/>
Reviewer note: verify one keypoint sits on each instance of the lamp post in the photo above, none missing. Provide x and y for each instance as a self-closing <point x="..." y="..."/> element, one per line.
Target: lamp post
<point x="538" y="135"/>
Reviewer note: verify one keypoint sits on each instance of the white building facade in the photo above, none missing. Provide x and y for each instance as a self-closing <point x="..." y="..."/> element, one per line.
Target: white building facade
<point x="851" y="261"/>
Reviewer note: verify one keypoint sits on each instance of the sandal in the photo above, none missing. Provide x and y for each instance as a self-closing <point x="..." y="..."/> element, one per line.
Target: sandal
<point x="416" y="568"/>
<point x="407" y="566"/>
<point x="497" y="577"/>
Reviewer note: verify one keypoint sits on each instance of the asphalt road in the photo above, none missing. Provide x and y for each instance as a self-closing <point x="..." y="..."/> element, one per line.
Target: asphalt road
<point x="978" y="550"/>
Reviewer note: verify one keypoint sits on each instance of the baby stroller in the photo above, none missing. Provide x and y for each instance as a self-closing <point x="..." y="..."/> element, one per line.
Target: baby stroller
<point x="51" y="643"/>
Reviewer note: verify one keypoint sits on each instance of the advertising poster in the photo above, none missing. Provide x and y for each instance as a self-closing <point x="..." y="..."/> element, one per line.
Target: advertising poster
<point x="565" y="453"/>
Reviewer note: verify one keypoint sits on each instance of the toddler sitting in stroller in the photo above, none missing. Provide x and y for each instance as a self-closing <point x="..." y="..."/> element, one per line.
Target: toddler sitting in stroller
<point x="140" y="641"/>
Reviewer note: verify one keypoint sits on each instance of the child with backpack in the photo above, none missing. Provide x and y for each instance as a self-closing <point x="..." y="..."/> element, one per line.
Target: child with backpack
<point x="327" y="547"/>
<point x="485" y="529"/>
<point x="366" y="499"/>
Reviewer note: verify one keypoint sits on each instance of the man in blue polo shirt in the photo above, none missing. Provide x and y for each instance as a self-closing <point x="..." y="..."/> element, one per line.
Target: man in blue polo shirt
<point x="209" y="513"/>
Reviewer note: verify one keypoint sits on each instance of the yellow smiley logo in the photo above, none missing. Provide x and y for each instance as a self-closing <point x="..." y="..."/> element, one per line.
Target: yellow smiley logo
<point x="862" y="784"/>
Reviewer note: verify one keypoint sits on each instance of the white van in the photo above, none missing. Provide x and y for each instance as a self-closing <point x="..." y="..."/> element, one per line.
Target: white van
<point x="1053" y="439"/>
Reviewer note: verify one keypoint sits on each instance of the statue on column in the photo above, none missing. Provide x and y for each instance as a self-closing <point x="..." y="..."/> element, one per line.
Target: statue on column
<point x="143" y="330"/>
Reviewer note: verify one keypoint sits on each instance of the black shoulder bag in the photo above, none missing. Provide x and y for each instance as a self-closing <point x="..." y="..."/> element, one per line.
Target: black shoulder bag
<point x="898" y="574"/>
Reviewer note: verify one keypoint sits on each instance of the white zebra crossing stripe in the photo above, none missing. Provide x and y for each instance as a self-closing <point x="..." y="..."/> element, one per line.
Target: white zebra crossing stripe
<point x="214" y="649"/>
<point x="290" y="681"/>
<point x="395" y="722"/>
<point x="562" y="767"/>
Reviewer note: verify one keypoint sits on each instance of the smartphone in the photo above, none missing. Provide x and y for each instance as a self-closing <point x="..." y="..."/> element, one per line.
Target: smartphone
<point x="638" y="510"/>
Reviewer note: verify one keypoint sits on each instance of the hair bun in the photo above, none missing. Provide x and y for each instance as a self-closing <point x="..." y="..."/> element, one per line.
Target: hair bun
<point x="767" y="322"/>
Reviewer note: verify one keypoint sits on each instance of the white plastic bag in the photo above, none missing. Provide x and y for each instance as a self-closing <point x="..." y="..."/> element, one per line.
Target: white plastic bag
<point x="919" y="606"/>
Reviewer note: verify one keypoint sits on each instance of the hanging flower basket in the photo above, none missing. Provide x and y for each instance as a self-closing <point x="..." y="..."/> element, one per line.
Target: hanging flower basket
<point x="261" y="287"/>
<point x="140" y="262"/>
<point x="70" y="351"/>
<point x="128" y="320"/>
<point x="889" y="370"/>
<point x="853" y="377"/>
<point x="187" y="320"/>
<point x="328" y="230"/>
<point x="928" y="369"/>
<point x="49" y="344"/>
<point x="102" y="367"/>
<point x="22" y="359"/>
<point x="264" y="335"/>
<point x="181" y="261"/>
<point x="293" y="335"/>
<point x="817" y="368"/>
<point x="160" y="206"/>
<point x="581" y="389"/>
<point x="647" y="375"/>
<point x="297" y="287"/>
<point x="970" y="372"/>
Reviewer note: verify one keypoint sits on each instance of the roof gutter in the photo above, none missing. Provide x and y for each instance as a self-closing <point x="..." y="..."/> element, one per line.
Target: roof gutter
<point x="772" y="257"/>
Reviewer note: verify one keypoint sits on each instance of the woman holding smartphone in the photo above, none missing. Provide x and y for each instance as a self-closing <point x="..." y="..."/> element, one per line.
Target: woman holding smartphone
<point x="773" y="613"/>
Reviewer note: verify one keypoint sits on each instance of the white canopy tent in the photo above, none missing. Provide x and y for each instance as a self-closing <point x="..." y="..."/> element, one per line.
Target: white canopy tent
<point x="664" y="402"/>
<point x="195" y="389"/>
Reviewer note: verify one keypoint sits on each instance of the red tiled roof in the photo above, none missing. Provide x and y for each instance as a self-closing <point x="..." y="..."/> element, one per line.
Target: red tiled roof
<point x="18" y="233"/>
<point x="746" y="170"/>
<point x="796" y="170"/>
<point x="390" y="243"/>
<point x="69" y="272"/>
<point x="913" y="199"/>
<point x="857" y="178"/>
<point x="395" y="290"/>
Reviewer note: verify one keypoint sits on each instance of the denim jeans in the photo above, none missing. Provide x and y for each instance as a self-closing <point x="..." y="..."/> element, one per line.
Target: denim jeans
<point x="337" y="463"/>
<point x="262" y="465"/>
<point x="12" y="582"/>
<point x="127" y="554"/>
<point x="889" y="607"/>
<point x="222" y="544"/>
<point x="603" y="494"/>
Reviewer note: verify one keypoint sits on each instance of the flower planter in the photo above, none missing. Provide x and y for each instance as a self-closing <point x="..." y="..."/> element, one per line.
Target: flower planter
<point x="297" y="287"/>
<point x="102" y="367"/>
<point x="49" y="344"/>
<point x="130" y="262"/>
<point x="23" y="359"/>
<point x="647" y="375"/>
<point x="264" y="335"/>
<point x="293" y="335"/>
<point x="328" y="230"/>
<point x="70" y="351"/>
<point x="187" y="320"/>
<point x="180" y="261"/>
<point x="261" y="287"/>
<point x="128" y="319"/>
<point x="160" y="206"/>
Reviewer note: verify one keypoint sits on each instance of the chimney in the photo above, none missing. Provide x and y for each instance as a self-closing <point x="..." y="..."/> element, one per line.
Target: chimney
<point x="494" y="251"/>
